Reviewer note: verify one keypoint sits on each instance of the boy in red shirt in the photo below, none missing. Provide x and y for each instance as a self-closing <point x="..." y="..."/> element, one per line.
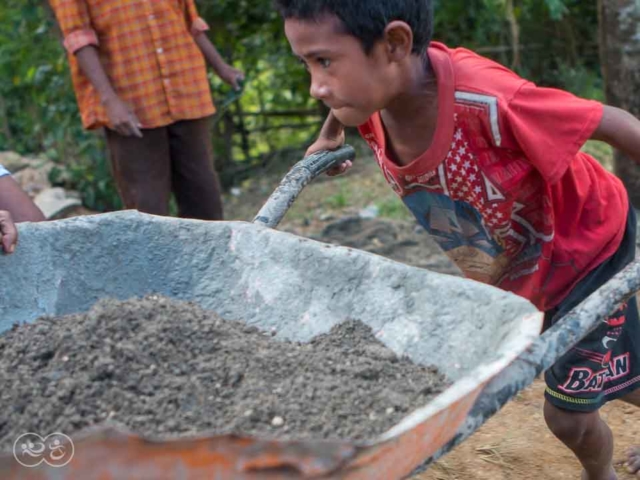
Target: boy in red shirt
<point x="491" y="167"/>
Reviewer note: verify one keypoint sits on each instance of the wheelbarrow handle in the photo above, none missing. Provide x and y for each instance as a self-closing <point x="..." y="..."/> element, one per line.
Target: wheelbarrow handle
<point x="302" y="173"/>
<point x="546" y="350"/>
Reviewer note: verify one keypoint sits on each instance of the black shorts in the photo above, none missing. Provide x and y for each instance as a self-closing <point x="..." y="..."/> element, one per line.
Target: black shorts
<point x="605" y="365"/>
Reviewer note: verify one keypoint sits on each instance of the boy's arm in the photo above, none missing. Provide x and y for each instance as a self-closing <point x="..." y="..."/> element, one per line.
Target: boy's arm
<point x="621" y="130"/>
<point x="14" y="200"/>
<point x="226" y="72"/>
<point x="331" y="137"/>
<point x="8" y="232"/>
<point x="198" y="28"/>
<point x="121" y="116"/>
<point x="81" y="40"/>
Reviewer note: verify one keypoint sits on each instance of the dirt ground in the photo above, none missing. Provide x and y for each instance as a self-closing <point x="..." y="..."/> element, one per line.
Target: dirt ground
<point x="516" y="445"/>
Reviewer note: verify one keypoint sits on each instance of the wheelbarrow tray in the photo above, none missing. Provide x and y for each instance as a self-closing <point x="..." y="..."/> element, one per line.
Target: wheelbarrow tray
<point x="272" y="280"/>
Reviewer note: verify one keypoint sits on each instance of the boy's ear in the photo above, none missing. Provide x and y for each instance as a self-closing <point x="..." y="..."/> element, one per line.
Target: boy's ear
<point x="399" y="39"/>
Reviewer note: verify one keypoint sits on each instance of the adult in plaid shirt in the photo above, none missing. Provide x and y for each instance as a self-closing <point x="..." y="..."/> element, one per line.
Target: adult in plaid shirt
<point x="138" y="69"/>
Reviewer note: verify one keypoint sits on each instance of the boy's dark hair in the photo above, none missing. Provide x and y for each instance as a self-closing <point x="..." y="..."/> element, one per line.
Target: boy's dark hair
<point x="367" y="19"/>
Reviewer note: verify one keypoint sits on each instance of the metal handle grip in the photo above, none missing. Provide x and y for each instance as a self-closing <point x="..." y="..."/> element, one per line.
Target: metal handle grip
<point x="302" y="173"/>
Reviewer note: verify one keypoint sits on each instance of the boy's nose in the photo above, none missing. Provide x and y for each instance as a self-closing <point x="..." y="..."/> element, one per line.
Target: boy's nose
<point x="319" y="91"/>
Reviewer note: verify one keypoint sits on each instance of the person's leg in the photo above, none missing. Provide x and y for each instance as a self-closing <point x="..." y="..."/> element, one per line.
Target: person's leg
<point x="142" y="169"/>
<point x="195" y="182"/>
<point x="602" y="367"/>
<point x="633" y="398"/>
<point x="633" y="460"/>
<point x="587" y="436"/>
<point x="633" y="455"/>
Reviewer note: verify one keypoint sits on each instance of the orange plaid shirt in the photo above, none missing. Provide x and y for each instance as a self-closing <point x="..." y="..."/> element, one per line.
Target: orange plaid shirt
<point x="147" y="49"/>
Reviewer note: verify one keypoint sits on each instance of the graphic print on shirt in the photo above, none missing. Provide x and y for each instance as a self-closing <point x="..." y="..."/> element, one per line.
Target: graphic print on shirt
<point x="460" y="231"/>
<point x="480" y="223"/>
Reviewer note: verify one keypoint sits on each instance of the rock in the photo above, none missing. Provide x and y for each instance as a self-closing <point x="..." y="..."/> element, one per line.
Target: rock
<point x="369" y="213"/>
<point x="326" y="217"/>
<point x="32" y="174"/>
<point x="14" y="162"/>
<point x="33" y="180"/>
<point x="55" y="201"/>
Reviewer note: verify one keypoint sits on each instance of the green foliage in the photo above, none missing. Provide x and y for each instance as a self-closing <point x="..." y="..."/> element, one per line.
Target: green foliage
<point x="38" y="110"/>
<point x="339" y="200"/>
<point x="601" y="151"/>
<point x="34" y="72"/>
<point x="580" y="80"/>
<point x="557" y="8"/>
<point x="39" y="115"/>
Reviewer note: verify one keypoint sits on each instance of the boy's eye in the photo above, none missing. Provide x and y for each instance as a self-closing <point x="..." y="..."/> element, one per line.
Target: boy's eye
<point x="304" y="64"/>
<point x="324" y="62"/>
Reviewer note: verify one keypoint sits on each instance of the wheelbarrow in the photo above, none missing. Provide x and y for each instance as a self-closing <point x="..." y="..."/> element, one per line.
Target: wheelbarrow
<point x="484" y="339"/>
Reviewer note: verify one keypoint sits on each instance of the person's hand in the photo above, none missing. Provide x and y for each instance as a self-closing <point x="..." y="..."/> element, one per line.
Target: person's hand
<point x="330" y="143"/>
<point x="8" y="232"/>
<point x="122" y="119"/>
<point x="231" y="76"/>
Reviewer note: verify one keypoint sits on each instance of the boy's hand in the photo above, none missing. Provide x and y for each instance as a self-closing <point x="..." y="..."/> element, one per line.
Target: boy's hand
<point x="8" y="232"/>
<point x="122" y="118"/>
<point x="231" y="76"/>
<point x="330" y="144"/>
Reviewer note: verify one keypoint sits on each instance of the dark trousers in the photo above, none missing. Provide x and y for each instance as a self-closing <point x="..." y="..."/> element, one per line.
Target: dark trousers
<point x="177" y="158"/>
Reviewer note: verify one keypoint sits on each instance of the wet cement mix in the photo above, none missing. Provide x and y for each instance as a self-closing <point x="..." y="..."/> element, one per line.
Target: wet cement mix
<point x="162" y="367"/>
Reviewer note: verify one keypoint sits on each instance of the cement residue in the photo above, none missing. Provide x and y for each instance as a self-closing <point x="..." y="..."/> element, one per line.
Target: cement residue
<point x="165" y="367"/>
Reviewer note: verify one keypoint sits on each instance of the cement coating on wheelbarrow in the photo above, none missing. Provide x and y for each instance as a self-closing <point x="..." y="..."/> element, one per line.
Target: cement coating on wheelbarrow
<point x="160" y="366"/>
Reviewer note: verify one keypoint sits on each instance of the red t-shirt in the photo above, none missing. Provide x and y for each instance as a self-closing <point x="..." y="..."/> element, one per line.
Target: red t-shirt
<point x="504" y="187"/>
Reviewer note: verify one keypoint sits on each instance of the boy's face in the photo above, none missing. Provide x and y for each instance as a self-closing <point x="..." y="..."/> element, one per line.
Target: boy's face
<point x="350" y="82"/>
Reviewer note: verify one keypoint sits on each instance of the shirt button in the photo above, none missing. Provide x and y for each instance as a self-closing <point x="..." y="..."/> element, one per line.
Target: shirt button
<point x="160" y="50"/>
<point x="152" y="17"/>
